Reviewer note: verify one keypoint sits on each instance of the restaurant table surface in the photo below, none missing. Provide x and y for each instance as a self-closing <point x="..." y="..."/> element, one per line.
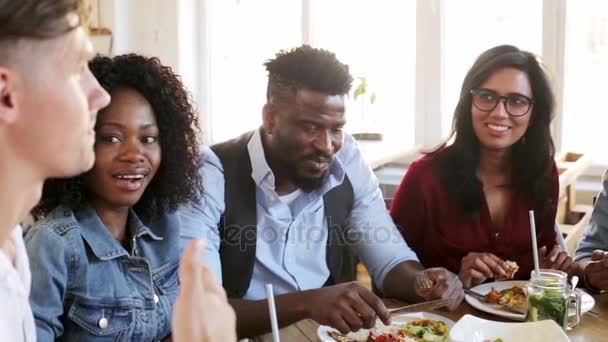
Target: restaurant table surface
<point x="593" y="327"/>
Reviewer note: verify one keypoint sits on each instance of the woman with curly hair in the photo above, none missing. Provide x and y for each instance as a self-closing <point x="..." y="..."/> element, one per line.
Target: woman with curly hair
<point x="465" y="206"/>
<point x="105" y="254"/>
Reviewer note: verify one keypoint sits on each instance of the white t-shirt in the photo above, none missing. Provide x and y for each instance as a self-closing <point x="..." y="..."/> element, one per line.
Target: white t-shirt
<point x="291" y="197"/>
<point x="16" y="319"/>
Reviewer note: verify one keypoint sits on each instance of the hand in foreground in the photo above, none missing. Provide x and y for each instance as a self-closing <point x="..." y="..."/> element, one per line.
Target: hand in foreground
<point x="596" y="272"/>
<point x="475" y="268"/>
<point x="346" y="307"/>
<point x="445" y="285"/>
<point x="557" y="259"/>
<point x="202" y="312"/>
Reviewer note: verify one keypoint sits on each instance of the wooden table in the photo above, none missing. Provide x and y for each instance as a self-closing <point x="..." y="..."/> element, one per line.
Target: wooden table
<point x="593" y="327"/>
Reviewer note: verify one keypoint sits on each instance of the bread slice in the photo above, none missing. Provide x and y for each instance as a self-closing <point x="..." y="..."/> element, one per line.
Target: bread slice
<point x="512" y="268"/>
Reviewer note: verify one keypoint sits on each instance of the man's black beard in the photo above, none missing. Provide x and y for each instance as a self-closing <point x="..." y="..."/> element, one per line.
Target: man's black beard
<point x="309" y="184"/>
<point x="289" y="168"/>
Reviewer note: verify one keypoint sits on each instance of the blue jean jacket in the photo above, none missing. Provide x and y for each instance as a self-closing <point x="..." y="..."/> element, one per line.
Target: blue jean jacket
<point x="87" y="287"/>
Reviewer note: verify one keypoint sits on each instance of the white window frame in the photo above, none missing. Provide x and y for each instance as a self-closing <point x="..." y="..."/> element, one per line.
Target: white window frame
<point x="429" y="66"/>
<point x="430" y="92"/>
<point x="554" y="49"/>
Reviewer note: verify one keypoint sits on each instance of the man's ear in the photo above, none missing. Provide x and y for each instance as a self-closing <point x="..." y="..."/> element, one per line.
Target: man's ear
<point x="8" y="110"/>
<point x="269" y="118"/>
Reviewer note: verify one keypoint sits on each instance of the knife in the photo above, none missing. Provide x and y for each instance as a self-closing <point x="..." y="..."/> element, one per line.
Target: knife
<point x="484" y="299"/>
<point x="425" y="306"/>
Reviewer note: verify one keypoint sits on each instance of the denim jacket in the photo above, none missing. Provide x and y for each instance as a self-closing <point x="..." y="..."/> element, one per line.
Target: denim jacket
<point x="87" y="287"/>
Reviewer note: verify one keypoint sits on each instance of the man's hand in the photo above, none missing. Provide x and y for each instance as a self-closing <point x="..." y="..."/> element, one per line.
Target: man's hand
<point x="346" y="307"/>
<point x="202" y="312"/>
<point x="557" y="259"/>
<point x="446" y="285"/>
<point x="596" y="272"/>
<point x="475" y="268"/>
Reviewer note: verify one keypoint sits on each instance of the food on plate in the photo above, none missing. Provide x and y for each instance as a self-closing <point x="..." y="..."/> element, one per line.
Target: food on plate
<point x="496" y="340"/>
<point x="362" y="335"/>
<point x="514" y="297"/>
<point x="511" y="268"/>
<point x="421" y="330"/>
<point x="551" y="305"/>
<point x="339" y="337"/>
<point x="426" y="330"/>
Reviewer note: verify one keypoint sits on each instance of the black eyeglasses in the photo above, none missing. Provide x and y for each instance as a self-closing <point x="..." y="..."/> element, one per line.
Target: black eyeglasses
<point x="515" y="104"/>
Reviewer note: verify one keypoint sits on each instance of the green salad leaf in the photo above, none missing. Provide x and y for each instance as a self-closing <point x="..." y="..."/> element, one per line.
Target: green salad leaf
<point x="551" y="305"/>
<point x="426" y="333"/>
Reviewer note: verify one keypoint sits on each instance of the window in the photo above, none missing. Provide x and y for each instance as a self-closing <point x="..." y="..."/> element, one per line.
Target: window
<point x="585" y="117"/>
<point x="242" y="36"/>
<point x="377" y="39"/>
<point x="473" y="26"/>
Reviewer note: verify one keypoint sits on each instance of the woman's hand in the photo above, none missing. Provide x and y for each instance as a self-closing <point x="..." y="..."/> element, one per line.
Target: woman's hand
<point x="475" y="268"/>
<point x="557" y="259"/>
<point x="202" y="312"/>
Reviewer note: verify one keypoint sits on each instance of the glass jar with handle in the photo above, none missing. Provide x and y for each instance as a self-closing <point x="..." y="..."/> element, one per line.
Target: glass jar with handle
<point x="550" y="296"/>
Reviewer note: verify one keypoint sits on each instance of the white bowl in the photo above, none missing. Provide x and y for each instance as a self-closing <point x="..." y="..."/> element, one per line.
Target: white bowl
<point x="474" y="329"/>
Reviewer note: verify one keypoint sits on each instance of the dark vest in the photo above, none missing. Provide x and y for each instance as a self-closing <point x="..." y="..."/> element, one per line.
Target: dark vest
<point x="238" y="224"/>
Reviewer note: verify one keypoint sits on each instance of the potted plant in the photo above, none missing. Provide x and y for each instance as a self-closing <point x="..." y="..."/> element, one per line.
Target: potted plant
<point x="365" y="98"/>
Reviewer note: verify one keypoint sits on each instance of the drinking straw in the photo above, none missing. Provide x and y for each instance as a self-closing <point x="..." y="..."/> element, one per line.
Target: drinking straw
<point x="273" y="314"/>
<point x="534" y="246"/>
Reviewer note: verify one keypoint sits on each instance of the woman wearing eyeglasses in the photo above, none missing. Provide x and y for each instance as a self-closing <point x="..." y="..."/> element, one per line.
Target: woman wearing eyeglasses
<point x="465" y="205"/>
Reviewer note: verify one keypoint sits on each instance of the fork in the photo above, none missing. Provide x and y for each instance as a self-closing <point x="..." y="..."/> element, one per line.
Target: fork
<point x="424" y="282"/>
<point x="424" y="306"/>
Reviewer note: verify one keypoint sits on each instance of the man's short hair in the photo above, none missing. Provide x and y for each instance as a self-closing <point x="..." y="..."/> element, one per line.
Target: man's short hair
<point x="307" y="67"/>
<point x="38" y="19"/>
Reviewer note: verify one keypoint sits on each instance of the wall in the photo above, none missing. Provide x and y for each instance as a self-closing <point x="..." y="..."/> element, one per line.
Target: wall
<point x="148" y="27"/>
<point x="163" y="28"/>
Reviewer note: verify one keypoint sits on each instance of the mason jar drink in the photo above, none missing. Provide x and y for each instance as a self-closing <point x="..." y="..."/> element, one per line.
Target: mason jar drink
<point x="549" y="297"/>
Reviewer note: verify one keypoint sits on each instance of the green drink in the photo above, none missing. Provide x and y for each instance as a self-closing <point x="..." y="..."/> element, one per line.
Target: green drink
<point x="549" y="296"/>
<point x="550" y="305"/>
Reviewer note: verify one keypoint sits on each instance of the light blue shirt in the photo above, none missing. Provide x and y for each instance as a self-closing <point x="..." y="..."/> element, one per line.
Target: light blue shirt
<point x="596" y="235"/>
<point x="292" y="236"/>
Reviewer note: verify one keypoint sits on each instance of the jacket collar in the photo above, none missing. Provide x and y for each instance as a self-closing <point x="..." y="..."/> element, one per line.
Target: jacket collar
<point x="99" y="239"/>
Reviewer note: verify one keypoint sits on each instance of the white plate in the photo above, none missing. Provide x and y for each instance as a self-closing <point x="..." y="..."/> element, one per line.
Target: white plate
<point x="587" y="301"/>
<point x="474" y="329"/>
<point x="398" y="319"/>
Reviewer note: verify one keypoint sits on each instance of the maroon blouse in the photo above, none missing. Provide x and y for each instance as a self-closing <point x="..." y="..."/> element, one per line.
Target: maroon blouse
<point x="436" y="228"/>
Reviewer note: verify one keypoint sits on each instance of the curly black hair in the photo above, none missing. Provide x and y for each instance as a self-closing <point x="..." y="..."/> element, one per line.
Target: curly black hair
<point x="306" y="67"/>
<point x="177" y="180"/>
